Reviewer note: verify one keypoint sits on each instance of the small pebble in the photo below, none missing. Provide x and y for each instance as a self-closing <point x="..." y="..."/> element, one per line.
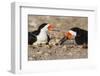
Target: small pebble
<point x="40" y="52"/>
<point x="49" y="46"/>
<point x="64" y="47"/>
<point x="70" y="54"/>
<point x="46" y="54"/>
<point x="33" y="55"/>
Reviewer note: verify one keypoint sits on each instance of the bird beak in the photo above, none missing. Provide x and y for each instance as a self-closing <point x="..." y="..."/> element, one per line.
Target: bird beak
<point x="50" y="27"/>
<point x="68" y="35"/>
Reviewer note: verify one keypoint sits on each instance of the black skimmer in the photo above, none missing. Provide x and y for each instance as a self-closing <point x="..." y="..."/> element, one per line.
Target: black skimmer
<point x="80" y="36"/>
<point x="40" y="36"/>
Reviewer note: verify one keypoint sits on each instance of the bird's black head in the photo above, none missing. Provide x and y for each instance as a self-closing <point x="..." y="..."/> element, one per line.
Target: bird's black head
<point x="75" y="29"/>
<point x="42" y="26"/>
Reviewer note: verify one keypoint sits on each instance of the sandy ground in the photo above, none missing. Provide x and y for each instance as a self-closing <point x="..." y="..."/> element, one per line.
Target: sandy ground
<point x="56" y="52"/>
<point x="51" y="52"/>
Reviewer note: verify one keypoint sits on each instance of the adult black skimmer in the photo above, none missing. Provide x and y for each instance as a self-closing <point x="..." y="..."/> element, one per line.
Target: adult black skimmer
<point x="80" y="36"/>
<point x="40" y="36"/>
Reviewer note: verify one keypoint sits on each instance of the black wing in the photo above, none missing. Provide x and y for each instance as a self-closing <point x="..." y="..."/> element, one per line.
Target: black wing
<point x="31" y="38"/>
<point x="35" y="32"/>
<point x="48" y="38"/>
<point x="82" y="37"/>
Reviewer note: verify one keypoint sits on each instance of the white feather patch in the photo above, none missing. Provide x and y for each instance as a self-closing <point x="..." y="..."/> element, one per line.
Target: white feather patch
<point x="72" y="32"/>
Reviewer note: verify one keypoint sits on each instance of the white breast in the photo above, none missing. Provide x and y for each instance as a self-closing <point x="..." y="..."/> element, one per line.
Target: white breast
<point x="41" y="38"/>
